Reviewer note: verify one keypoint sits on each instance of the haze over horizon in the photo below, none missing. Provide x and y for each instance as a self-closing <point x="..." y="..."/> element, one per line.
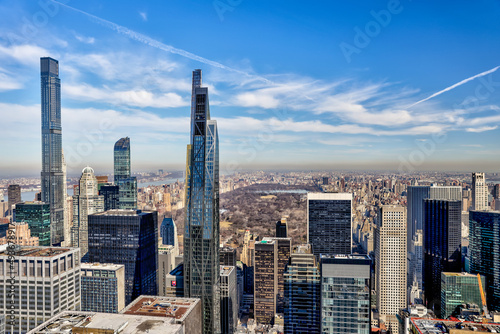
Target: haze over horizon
<point x="364" y="86"/>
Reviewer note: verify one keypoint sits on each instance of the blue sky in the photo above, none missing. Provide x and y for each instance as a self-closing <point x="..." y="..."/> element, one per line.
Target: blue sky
<point x="293" y="84"/>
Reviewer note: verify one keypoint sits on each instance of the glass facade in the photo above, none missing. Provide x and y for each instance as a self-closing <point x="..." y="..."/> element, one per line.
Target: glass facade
<point x="484" y="250"/>
<point x="52" y="176"/>
<point x="37" y="215"/>
<point x="302" y="295"/>
<point x="442" y="245"/>
<point x="102" y="288"/>
<point x="127" y="237"/>
<point x="201" y="235"/>
<point x="457" y="289"/>
<point x="122" y="175"/>
<point x="345" y="294"/>
<point x="167" y="231"/>
<point x="329" y="223"/>
<point x="111" y="196"/>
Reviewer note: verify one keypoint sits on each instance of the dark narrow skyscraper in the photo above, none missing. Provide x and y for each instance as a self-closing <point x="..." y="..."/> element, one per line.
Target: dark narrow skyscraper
<point x="442" y="246"/>
<point x="52" y="165"/>
<point x="122" y="173"/>
<point x="14" y="193"/>
<point x="201" y="235"/>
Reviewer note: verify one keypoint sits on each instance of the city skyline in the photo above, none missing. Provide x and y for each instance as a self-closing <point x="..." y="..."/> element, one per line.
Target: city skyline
<point x="324" y="108"/>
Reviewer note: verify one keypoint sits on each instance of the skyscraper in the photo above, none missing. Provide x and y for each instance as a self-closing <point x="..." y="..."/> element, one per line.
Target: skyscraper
<point x="266" y="281"/>
<point x="86" y="201"/>
<point x="168" y="232"/>
<point x="345" y="291"/>
<point x="122" y="173"/>
<point x="201" y="235"/>
<point x="479" y="192"/>
<point x="281" y="228"/>
<point x="130" y="238"/>
<point x="442" y="245"/>
<point x="52" y="165"/>
<point x="111" y="196"/>
<point x="37" y="215"/>
<point x="484" y="252"/>
<point x="329" y="223"/>
<point x="302" y="293"/>
<point x="228" y="300"/>
<point x="14" y="193"/>
<point x="415" y="222"/>
<point x="390" y="263"/>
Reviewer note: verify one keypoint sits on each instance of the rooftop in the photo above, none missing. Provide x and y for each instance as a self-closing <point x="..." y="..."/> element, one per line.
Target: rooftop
<point x="329" y="196"/>
<point x="438" y="326"/>
<point x="226" y="270"/>
<point x="39" y="251"/>
<point x="66" y="321"/>
<point x="101" y="266"/>
<point x="347" y="257"/>
<point x="169" y="307"/>
<point x="121" y="212"/>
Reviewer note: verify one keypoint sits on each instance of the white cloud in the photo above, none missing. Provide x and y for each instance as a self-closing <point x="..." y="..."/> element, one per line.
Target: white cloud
<point x="482" y="129"/>
<point x="86" y="40"/>
<point x="7" y="82"/>
<point x="133" y="97"/>
<point x="25" y="54"/>
<point x="144" y="16"/>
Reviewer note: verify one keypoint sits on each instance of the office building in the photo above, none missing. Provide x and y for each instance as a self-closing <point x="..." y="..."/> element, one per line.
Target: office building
<point x="111" y="196"/>
<point x="442" y="246"/>
<point x="175" y="282"/>
<point x="484" y="252"/>
<point x="266" y="281"/>
<point x="127" y="237"/>
<point x="345" y="290"/>
<point x="103" y="287"/>
<point x="329" y="223"/>
<point x="166" y="263"/>
<point x="283" y="257"/>
<point x="14" y="194"/>
<point x="47" y="282"/>
<point x="201" y="237"/>
<point x="228" y="300"/>
<point x="147" y="314"/>
<point x="479" y="192"/>
<point x="391" y="263"/>
<point x="122" y="175"/>
<point x="227" y="256"/>
<point x="168" y="233"/>
<point x="20" y="235"/>
<point x="302" y="293"/>
<point x="86" y="201"/>
<point x="458" y="289"/>
<point x="52" y="176"/>
<point x="415" y="222"/>
<point x="281" y="228"/>
<point x="247" y="253"/>
<point x="37" y="215"/>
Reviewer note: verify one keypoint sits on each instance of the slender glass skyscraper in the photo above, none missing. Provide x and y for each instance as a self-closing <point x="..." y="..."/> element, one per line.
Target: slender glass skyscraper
<point x="122" y="171"/>
<point x="52" y="165"/>
<point x="201" y="235"/>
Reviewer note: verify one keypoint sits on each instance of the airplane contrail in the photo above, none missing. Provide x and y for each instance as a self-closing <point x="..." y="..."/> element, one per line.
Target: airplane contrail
<point x="159" y="45"/>
<point x="456" y="85"/>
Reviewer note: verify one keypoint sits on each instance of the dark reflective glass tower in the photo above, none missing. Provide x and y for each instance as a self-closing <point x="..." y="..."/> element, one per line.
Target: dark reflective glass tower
<point x="201" y="235"/>
<point x="52" y="167"/>
<point x="122" y="174"/>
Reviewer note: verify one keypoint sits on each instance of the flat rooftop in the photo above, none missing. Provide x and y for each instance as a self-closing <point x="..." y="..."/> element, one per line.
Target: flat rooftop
<point x="38" y="251"/>
<point x="226" y="270"/>
<point x="73" y="321"/>
<point x="169" y="307"/>
<point x="329" y="196"/>
<point x="438" y="326"/>
<point x="121" y="212"/>
<point x="101" y="266"/>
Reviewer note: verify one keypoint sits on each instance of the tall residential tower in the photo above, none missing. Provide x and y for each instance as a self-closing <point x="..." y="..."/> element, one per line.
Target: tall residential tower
<point x="52" y="164"/>
<point x="122" y="172"/>
<point x="201" y="234"/>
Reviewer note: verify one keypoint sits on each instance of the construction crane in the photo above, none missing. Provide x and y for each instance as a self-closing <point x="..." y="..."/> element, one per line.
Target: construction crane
<point x="483" y="299"/>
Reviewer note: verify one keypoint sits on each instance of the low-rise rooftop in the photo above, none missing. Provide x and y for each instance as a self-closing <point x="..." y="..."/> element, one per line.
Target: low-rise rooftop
<point x="33" y="251"/>
<point x="170" y="307"/>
